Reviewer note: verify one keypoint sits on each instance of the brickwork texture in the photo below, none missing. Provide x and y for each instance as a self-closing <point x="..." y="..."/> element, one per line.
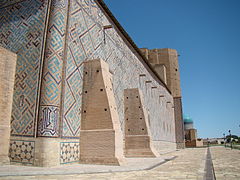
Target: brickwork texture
<point x="137" y="133"/>
<point x="7" y="73"/>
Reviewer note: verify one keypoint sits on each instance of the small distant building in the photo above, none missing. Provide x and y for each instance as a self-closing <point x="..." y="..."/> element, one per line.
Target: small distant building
<point x="213" y="141"/>
<point x="191" y="139"/>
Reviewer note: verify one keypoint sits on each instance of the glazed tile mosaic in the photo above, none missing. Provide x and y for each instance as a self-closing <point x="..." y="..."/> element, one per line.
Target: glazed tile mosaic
<point x="22" y="28"/>
<point x="75" y="33"/>
<point x="52" y="70"/>
<point x="22" y="151"/>
<point x="69" y="152"/>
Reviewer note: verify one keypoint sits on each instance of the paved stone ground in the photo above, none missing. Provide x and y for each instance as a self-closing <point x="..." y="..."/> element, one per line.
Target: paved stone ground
<point x="189" y="165"/>
<point x="226" y="163"/>
<point x="131" y="164"/>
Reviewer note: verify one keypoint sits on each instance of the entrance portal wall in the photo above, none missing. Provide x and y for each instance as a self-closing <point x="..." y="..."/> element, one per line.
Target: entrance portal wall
<point x="23" y="28"/>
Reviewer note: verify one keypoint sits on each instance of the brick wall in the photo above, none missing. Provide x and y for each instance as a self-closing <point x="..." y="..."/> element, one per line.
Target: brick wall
<point x="7" y="73"/>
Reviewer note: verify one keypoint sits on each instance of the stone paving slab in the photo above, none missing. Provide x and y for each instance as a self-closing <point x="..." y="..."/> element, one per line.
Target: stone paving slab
<point x="226" y="163"/>
<point x="189" y="164"/>
<point x="132" y="164"/>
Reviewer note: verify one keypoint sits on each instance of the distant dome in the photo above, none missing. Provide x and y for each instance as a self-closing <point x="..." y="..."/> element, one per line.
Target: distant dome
<point x="187" y="119"/>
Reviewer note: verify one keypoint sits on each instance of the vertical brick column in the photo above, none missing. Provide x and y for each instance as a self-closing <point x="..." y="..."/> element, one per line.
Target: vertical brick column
<point x="7" y="75"/>
<point x="50" y="97"/>
<point x="47" y="149"/>
<point x="137" y="136"/>
<point x="179" y="126"/>
<point x="101" y="140"/>
<point x="171" y="77"/>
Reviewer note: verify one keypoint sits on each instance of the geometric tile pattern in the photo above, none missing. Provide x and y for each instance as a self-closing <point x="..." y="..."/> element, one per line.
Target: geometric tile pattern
<point x="22" y="151"/>
<point x="52" y="70"/>
<point x="69" y="152"/>
<point x="4" y="3"/>
<point x="48" y="122"/>
<point x="73" y="80"/>
<point x="86" y="41"/>
<point x="22" y="28"/>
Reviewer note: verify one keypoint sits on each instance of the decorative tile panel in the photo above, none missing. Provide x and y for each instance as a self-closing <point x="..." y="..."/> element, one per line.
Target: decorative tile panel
<point x="22" y="151"/>
<point x="69" y="152"/>
<point x="4" y="3"/>
<point x="48" y="122"/>
<point x="52" y="70"/>
<point x="86" y="41"/>
<point x="21" y="31"/>
<point x="73" y="82"/>
<point x="22" y="25"/>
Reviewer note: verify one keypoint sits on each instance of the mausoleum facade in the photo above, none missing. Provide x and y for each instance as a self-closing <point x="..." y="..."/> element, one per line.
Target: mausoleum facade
<point x="54" y="40"/>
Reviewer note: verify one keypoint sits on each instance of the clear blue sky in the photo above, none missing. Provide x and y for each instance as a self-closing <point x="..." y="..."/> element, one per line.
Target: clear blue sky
<point x="206" y="33"/>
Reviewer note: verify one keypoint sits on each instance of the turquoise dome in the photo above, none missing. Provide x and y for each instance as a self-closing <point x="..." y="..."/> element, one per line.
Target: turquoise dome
<point x="187" y="119"/>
